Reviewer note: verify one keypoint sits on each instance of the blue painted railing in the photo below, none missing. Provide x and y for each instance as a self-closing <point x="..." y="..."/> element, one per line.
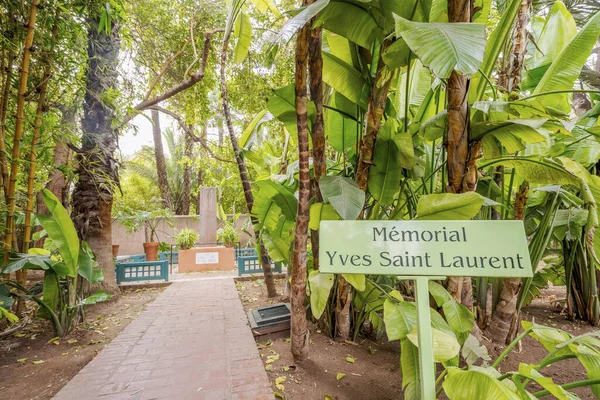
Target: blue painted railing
<point x="251" y="265"/>
<point x="245" y="252"/>
<point x="131" y="259"/>
<point x="142" y="271"/>
<point x="172" y="258"/>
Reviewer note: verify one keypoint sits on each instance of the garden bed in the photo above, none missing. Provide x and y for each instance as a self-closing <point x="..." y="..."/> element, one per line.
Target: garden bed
<point x="33" y="366"/>
<point x="375" y="371"/>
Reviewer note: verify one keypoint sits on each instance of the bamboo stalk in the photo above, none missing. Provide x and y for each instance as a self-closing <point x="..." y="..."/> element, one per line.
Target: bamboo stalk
<point x="3" y="110"/>
<point x="18" y="137"/>
<point x="36" y="138"/>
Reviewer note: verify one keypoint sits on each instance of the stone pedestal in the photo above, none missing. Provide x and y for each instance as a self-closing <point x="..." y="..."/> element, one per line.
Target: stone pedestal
<point x="208" y="215"/>
<point x="211" y="258"/>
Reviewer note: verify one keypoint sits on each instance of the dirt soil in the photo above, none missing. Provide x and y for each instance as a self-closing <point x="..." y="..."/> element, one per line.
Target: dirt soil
<point x="375" y="372"/>
<point x="548" y="310"/>
<point x="367" y="366"/>
<point x="35" y="365"/>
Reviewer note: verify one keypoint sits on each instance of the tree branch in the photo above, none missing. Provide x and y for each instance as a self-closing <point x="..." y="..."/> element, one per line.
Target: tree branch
<point x="192" y="80"/>
<point x="189" y="132"/>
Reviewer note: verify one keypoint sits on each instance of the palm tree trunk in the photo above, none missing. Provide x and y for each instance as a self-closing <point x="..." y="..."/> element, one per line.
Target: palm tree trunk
<point x="97" y="168"/>
<point x="183" y="206"/>
<point x="299" y="327"/>
<point x="161" y="168"/>
<point x="265" y="260"/>
<point x="462" y="167"/>
<point x="315" y="71"/>
<point x="18" y="137"/>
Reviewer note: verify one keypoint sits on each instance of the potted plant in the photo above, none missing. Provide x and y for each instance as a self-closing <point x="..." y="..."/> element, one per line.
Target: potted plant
<point x="149" y="220"/>
<point x="228" y="234"/>
<point x="186" y="239"/>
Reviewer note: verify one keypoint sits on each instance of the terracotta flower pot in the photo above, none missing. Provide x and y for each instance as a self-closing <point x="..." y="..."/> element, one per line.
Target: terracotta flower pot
<point x="151" y="250"/>
<point x="115" y="248"/>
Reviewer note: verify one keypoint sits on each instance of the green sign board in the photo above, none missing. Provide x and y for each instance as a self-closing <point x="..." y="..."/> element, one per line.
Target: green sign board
<point x="425" y="248"/>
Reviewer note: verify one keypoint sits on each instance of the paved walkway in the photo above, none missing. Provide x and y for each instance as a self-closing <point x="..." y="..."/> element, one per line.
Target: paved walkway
<point x="192" y="342"/>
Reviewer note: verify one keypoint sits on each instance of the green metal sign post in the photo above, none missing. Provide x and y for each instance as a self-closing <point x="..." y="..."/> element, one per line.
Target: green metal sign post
<point x="425" y="250"/>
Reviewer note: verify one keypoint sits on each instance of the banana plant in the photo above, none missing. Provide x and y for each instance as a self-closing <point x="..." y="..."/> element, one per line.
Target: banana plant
<point x="67" y="266"/>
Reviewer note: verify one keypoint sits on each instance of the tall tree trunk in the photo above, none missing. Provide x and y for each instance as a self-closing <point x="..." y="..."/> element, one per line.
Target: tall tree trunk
<point x="200" y="183"/>
<point x="462" y="157"/>
<point x="265" y="260"/>
<point x="18" y="137"/>
<point x="298" y="296"/>
<point x="315" y="71"/>
<point x="183" y="206"/>
<point x="505" y="315"/>
<point x="379" y="91"/>
<point x="57" y="182"/>
<point x="221" y="132"/>
<point x="159" y="155"/>
<point x="97" y="168"/>
<point x="6" y="86"/>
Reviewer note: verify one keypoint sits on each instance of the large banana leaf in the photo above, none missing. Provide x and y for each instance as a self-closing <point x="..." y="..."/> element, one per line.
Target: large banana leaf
<point x="536" y="170"/>
<point x="282" y="104"/>
<point x="566" y="67"/>
<point x="459" y="318"/>
<point x="494" y="46"/>
<point x="277" y="241"/>
<point x="320" y="285"/>
<point x="61" y="230"/>
<point x="397" y="55"/>
<point x="444" y="47"/>
<point x="385" y="174"/>
<point x="294" y="24"/>
<point x="476" y="383"/>
<point x="343" y="194"/>
<point x="445" y="347"/>
<point x="409" y="365"/>
<point x="285" y="200"/>
<point x="358" y="281"/>
<point x="341" y="127"/>
<point x="529" y="371"/>
<point x="345" y="79"/>
<point x="449" y="206"/>
<point x="558" y="30"/>
<point x="400" y="318"/>
<point x="339" y="46"/>
<point x="321" y="212"/>
<point x="350" y="21"/>
<point x="50" y="293"/>
<point x="511" y="133"/>
<point x="249" y="134"/>
<point x="264" y="5"/>
<point x="243" y="33"/>
<point x="87" y="265"/>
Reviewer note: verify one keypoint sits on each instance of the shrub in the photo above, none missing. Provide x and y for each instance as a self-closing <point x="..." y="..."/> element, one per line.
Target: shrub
<point x="186" y="239"/>
<point x="228" y="234"/>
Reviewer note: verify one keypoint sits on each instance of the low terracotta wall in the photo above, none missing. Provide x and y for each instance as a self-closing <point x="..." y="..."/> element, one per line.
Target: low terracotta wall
<point x="210" y="258"/>
<point x="132" y="243"/>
